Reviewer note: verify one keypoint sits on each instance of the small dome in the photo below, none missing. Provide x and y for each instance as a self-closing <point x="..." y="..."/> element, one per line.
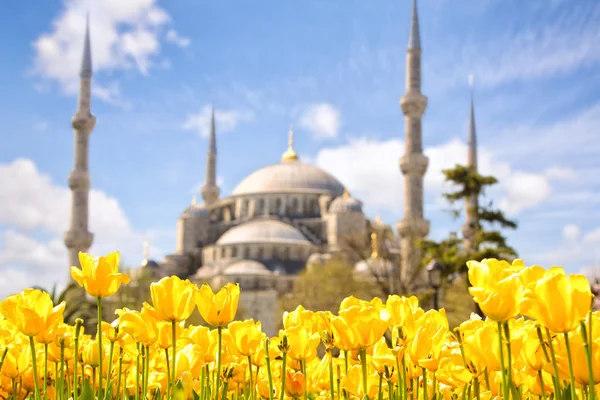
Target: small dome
<point x="377" y="266"/>
<point x="289" y="176"/>
<point x="195" y="210"/>
<point x="345" y="203"/>
<point x="263" y="231"/>
<point x="150" y="264"/>
<point x="246" y="267"/>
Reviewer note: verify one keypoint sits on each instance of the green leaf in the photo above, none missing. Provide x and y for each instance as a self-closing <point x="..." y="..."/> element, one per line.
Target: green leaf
<point x="178" y="391"/>
<point x="87" y="393"/>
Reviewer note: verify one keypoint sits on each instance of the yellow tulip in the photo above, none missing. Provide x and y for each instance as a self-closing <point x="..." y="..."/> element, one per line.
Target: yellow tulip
<point x="140" y="325"/>
<point x="559" y="301"/>
<point x="295" y="384"/>
<point x="303" y="343"/>
<point x="402" y="311"/>
<point x="247" y="336"/>
<point x="383" y="357"/>
<point x="496" y="288"/>
<point x="426" y="347"/>
<point x="172" y="299"/>
<point x="358" y="327"/>
<point x="99" y="276"/>
<point x="352" y="382"/>
<point x="32" y="311"/>
<point x="15" y="362"/>
<point x="218" y="309"/>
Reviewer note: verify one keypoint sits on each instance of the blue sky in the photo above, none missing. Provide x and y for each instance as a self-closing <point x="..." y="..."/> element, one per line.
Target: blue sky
<point x="334" y="69"/>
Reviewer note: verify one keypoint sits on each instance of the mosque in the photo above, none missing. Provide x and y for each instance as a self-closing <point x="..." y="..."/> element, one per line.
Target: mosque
<point x="279" y="218"/>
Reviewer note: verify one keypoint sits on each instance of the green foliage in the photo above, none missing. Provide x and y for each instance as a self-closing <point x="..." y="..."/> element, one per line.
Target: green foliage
<point x="323" y="287"/>
<point x="488" y="242"/>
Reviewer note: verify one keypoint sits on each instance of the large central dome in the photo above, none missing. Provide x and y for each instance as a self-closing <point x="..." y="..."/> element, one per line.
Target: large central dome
<point x="289" y="176"/>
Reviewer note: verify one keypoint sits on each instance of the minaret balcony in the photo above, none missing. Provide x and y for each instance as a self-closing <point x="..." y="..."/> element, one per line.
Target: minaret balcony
<point x="83" y="123"/>
<point x="413" y="104"/>
<point x="414" y="164"/>
<point x="79" y="180"/>
<point x="413" y="227"/>
<point x="78" y="240"/>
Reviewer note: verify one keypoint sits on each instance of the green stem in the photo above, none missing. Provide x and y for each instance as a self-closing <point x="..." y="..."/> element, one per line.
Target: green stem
<point x="168" y="372"/>
<point x="511" y="385"/>
<point x="218" y="378"/>
<point x="331" y="388"/>
<point x="404" y="384"/>
<point x="283" y="376"/>
<point x="137" y="373"/>
<point x="62" y="369"/>
<point x="390" y="389"/>
<point x="303" y="366"/>
<point x="424" y="384"/>
<point x="541" y="378"/>
<point x="110" y="357"/>
<point x="174" y="344"/>
<point x="100" y="348"/>
<point x="557" y="388"/>
<point x="76" y="357"/>
<point x="34" y="365"/>
<point x="251" y="377"/>
<point x="363" y="362"/>
<point x="380" y="393"/>
<point x="147" y="367"/>
<point x="3" y="357"/>
<point x="45" y="371"/>
<point x="202" y="379"/>
<point x="571" y="376"/>
<point x="119" y="374"/>
<point x="477" y="391"/>
<point x="587" y="344"/>
<point x="269" y="375"/>
<point x="486" y="375"/>
<point x="502" y="367"/>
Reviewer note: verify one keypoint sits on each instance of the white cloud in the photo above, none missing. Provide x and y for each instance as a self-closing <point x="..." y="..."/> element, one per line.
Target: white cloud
<point x="225" y="120"/>
<point x="571" y="232"/>
<point x="125" y="35"/>
<point x="370" y="170"/>
<point x="33" y="206"/>
<point x="322" y="120"/>
<point x="174" y="37"/>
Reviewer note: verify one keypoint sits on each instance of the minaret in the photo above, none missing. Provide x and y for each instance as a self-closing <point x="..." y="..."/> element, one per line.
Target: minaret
<point x="413" y="163"/>
<point x="210" y="191"/>
<point x="78" y="238"/>
<point x="472" y="204"/>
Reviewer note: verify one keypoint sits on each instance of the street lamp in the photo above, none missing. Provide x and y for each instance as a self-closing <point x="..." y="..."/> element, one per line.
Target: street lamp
<point x="434" y="272"/>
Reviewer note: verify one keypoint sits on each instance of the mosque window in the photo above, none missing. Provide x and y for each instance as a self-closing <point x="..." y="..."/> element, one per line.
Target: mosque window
<point x="260" y="205"/>
<point x="277" y="205"/>
<point x="285" y="253"/>
<point x="259" y="253"/>
<point x="246" y="252"/>
<point x="294" y="206"/>
<point x="222" y="252"/>
<point x="234" y="251"/>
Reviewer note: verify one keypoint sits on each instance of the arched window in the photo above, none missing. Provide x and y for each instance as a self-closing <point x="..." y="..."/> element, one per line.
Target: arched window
<point x="246" y="252"/>
<point x="234" y="251"/>
<point x="259" y="207"/>
<point x="259" y="253"/>
<point x="294" y="206"/>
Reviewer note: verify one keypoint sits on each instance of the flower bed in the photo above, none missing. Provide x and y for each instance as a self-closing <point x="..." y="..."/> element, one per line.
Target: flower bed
<point x="540" y="340"/>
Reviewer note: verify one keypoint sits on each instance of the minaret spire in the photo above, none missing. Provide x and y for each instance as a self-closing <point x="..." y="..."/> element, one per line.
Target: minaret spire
<point x="78" y="238"/>
<point x="472" y="203"/>
<point x="210" y="191"/>
<point x="413" y="163"/>
<point x="414" y="38"/>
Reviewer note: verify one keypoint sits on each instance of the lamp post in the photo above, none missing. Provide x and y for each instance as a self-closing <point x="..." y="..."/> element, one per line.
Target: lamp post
<point x="434" y="272"/>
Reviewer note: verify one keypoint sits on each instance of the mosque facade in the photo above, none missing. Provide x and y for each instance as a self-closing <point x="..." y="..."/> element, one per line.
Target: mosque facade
<point x="279" y="218"/>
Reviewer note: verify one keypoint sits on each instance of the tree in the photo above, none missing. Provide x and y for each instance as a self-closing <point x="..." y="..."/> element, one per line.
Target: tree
<point x="486" y="240"/>
<point x="322" y="287"/>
